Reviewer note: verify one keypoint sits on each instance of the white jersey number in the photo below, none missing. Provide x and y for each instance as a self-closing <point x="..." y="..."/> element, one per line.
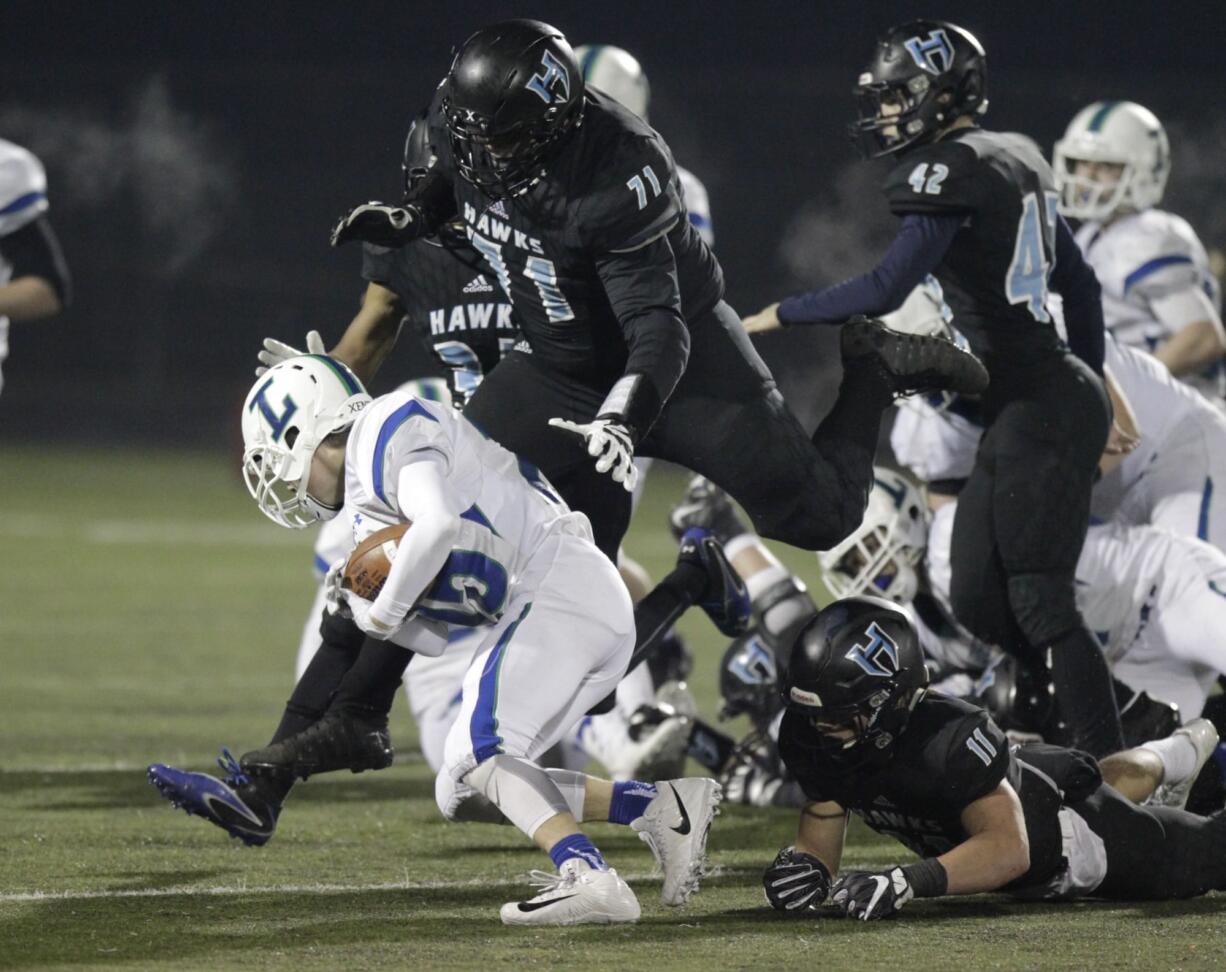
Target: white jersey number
<point x="1026" y="279"/>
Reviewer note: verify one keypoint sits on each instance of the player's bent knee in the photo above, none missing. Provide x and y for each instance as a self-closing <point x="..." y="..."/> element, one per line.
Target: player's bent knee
<point x="460" y="803"/>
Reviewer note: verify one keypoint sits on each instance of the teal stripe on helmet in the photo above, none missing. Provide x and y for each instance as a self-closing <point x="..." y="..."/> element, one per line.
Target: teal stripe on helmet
<point x="347" y="377"/>
<point x="1100" y="117"/>
<point x="589" y="60"/>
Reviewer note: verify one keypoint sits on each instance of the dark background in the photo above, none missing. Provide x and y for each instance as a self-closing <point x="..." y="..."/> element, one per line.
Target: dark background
<point x="198" y="153"/>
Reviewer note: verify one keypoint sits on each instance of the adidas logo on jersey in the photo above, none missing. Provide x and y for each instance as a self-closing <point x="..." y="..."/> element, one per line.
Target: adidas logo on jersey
<point x="498" y="208"/>
<point x="478" y="285"/>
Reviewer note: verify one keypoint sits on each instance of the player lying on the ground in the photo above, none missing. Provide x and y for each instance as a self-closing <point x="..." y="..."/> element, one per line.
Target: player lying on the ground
<point x="1159" y="293"/>
<point x="1147" y="590"/>
<point x="490" y="546"/>
<point x="862" y="733"/>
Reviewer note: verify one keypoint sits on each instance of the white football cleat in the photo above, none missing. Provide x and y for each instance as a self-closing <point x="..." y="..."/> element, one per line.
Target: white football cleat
<point x="675" y="826"/>
<point x="577" y="895"/>
<point x="654" y="746"/>
<point x="1203" y="735"/>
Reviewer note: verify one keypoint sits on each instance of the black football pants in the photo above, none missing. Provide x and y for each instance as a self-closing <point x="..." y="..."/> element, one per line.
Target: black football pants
<point x="1155" y="853"/>
<point x="726" y="420"/>
<point x="1021" y="521"/>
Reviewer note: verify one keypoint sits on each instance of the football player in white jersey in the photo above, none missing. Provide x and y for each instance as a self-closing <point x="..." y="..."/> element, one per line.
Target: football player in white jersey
<point x="490" y="546"/>
<point x="34" y="279"/>
<point x="1159" y="293"/>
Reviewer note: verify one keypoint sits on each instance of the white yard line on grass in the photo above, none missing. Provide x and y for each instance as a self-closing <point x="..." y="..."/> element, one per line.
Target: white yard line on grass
<point x="224" y="890"/>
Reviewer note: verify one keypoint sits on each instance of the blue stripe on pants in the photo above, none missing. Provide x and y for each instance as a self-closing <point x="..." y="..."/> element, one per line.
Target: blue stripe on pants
<point x="1202" y="526"/>
<point x="483" y="727"/>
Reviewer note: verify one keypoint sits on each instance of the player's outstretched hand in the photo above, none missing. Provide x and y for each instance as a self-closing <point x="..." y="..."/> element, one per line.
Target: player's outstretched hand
<point x="869" y="896"/>
<point x="374" y="222"/>
<point x="766" y="319"/>
<point x="796" y="881"/>
<point x="612" y="445"/>
<point x="277" y="351"/>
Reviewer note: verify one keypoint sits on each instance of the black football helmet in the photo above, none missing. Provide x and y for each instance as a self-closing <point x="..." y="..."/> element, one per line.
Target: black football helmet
<point x="923" y="75"/>
<point x="856" y="672"/>
<point x="513" y="93"/>
<point x="749" y="680"/>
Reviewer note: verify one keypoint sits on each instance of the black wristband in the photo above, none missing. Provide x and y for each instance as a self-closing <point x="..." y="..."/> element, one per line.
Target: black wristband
<point x="927" y="878"/>
<point x="634" y="402"/>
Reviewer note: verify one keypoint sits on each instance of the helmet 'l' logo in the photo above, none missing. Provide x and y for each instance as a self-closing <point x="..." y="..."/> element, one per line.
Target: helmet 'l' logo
<point x="879" y="657"/>
<point x="553" y="84"/>
<point x="934" y="54"/>
<point x="278" y="422"/>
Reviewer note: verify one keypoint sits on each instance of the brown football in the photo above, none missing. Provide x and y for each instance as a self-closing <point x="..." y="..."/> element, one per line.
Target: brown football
<point x="367" y="568"/>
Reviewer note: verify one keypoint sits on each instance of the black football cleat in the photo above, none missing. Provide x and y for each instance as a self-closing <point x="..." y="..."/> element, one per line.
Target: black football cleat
<point x="335" y="742"/>
<point x="707" y="506"/>
<point x="1143" y="718"/>
<point x="233" y="803"/>
<point x="914" y="363"/>
<point x="725" y="600"/>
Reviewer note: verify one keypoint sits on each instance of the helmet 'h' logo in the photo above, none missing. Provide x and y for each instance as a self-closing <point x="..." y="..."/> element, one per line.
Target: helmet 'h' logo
<point x="278" y="422"/>
<point x="935" y="54"/>
<point x="553" y="84"/>
<point x="879" y="657"/>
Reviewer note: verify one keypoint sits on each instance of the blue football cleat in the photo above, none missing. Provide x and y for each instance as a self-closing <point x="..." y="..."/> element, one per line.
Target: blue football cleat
<point x="725" y="600"/>
<point x="232" y="803"/>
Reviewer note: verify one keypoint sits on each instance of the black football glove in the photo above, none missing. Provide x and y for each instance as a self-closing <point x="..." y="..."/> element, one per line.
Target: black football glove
<point x="869" y="896"/>
<point x="796" y="881"/>
<point x="383" y="225"/>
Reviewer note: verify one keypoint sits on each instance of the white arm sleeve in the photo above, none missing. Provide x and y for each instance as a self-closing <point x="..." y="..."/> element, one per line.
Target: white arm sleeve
<point x="1180" y="308"/>
<point x="425" y="501"/>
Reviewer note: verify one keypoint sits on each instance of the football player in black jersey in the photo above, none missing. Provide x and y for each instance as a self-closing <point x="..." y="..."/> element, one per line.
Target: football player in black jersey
<point x="978" y="211"/>
<point x="861" y="733"/>
<point x="438" y="286"/>
<point x="573" y="201"/>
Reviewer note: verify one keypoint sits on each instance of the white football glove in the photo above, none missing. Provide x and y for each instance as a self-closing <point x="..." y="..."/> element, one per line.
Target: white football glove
<point x="277" y="351"/>
<point x="359" y="610"/>
<point x="610" y="442"/>
<point x="332" y="588"/>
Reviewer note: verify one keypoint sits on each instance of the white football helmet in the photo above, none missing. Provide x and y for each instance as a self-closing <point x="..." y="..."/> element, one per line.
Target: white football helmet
<point x="1120" y="133"/>
<point x="292" y="408"/>
<point x="617" y="73"/>
<point x="880" y="555"/>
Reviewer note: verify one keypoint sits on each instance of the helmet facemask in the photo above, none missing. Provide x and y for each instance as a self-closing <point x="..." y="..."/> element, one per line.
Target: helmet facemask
<point x="504" y="163"/>
<point x="880" y="556"/>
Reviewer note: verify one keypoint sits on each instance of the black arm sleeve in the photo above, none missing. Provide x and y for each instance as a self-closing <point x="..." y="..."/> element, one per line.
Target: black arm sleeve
<point x="433" y="197"/>
<point x="1074" y="280"/>
<point x="34" y="251"/>
<point x="642" y="288"/>
<point x="917" y="250"/>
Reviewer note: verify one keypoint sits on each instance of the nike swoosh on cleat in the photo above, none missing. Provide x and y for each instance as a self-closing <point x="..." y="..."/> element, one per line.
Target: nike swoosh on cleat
<point x="538" y="905"/>
<point x="684" y="827"/>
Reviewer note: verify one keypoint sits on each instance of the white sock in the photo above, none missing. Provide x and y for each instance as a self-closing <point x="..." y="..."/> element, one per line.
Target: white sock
<point x="1178" y="756"/>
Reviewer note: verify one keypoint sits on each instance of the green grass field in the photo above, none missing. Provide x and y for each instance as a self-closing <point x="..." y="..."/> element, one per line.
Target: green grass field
<point x="149" y="613"/>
